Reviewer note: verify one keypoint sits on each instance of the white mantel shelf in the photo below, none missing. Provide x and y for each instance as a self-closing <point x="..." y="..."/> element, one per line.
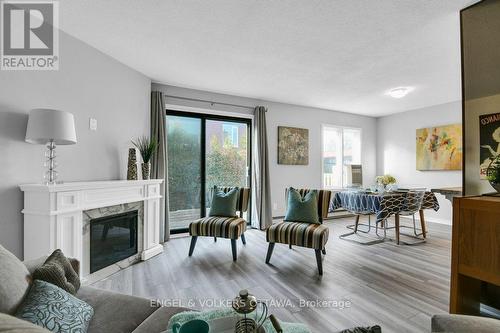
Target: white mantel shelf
<point x="53" y="213"/>
<point x="74" y="186"/>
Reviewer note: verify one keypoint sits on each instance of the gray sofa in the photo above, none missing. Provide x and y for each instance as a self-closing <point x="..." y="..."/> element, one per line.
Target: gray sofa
<point x="113" y="312"/>
<point x="464" y="324"/>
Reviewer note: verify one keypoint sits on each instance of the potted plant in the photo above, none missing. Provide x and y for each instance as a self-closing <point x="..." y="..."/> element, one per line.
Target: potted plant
<point x="493" y="173"/>
<point x="385" y="180"/>
<point x="146" y="148"/>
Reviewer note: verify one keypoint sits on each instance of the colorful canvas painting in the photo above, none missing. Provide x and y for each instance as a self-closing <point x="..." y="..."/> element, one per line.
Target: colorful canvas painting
<point x="489" y="129"/>
<point x="439" y="148"/>
<point x="293" y="146"/>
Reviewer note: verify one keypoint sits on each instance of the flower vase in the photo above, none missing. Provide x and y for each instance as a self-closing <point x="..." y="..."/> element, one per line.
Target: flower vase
<point x="146" y="170"/>
<point x="132" y="165"/>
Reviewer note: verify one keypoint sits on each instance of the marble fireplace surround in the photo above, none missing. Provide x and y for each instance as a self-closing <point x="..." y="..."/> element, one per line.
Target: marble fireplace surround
<point x="95" y="213"/>
<point x="54" y="218"/>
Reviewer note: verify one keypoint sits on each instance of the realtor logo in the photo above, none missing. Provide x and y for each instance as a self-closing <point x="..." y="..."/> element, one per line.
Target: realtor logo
<point x="29" y="35"/>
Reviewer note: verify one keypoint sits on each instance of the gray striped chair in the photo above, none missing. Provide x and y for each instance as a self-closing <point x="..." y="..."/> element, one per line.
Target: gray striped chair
<point x="223" y="227"/>
<point x="302" y="234"/>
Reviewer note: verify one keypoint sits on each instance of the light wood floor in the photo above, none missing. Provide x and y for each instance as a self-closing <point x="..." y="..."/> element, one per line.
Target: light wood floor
<point x="397" y="287"/>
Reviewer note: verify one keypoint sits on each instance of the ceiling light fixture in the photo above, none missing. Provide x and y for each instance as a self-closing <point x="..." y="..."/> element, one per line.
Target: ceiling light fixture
<point x="399" y="92"/>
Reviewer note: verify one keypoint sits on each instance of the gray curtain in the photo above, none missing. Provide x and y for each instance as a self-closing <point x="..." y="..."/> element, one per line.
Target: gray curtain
<point x="261" y="172"/>
<point x="159" y="159"/>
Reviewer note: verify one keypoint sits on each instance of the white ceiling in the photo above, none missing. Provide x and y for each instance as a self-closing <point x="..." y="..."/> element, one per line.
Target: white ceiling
<point x="340" y="55"/>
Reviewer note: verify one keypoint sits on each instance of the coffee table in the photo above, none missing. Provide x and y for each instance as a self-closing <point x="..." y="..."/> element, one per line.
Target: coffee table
<point x="224" y="321"/>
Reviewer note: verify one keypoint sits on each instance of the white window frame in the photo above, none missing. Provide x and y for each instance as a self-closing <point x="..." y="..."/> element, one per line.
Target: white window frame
<point x="342" y="128"/>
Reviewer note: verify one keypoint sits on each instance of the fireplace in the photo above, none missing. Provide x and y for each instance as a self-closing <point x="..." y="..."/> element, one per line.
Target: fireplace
<point x="112" y="239"/>
<point x="59" y="217"/>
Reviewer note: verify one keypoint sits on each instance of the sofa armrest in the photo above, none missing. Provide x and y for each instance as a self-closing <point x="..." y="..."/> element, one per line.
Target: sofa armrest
<point x="33" y="264"/>
<point x="461" y="323"/>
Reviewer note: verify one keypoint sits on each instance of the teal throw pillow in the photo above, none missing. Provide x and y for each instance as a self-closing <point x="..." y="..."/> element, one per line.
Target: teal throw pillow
<point x="224" y="204"/>
<point x="55" y="309"/>
<point x="302" y="209"/>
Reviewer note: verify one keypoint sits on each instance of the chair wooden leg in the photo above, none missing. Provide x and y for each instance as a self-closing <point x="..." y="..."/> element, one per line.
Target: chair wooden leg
<point x="324" y="251"/>
<point x="422" y="223"/>
<point x="319" y="262"/>
<point x="233" y="248"/>
<point x="243" y="239"/>
<point x="215" y="239"/>
<point x="269" y="252"/>
<point x="396" y="229"/>
<point x="290" y="246"/>
<point x="193" y="244"/>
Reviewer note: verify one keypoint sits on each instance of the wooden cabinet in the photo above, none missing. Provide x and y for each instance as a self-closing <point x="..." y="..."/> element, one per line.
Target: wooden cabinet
<point x="475" y="258"/>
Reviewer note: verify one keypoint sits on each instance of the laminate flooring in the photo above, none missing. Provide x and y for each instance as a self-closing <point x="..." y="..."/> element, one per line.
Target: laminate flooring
<point x="397" y="287"/>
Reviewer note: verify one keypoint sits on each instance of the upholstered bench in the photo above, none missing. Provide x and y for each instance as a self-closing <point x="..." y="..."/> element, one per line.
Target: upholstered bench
<point x="224" y="227"/>
<point x="309" y="235"/>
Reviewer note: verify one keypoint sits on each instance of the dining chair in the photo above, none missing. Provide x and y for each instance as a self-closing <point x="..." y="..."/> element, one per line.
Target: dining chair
<point x="309" y="235"/>
<point x="411" y="205"/>
<point x="221" y="226"/>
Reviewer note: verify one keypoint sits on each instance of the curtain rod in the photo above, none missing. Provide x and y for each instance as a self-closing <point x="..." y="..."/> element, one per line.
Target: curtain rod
<point x="211" y="102"/>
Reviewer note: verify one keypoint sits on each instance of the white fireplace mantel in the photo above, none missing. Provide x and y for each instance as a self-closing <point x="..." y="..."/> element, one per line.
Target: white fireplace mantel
<point x="53" y="213"/>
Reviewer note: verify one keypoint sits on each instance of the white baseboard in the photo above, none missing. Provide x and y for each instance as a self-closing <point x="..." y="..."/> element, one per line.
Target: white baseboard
<point x="430" y="219"/>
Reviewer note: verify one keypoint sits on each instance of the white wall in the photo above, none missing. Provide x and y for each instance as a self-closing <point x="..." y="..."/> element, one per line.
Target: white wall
<point x="396" y="151"/>
<point x="280" y="114"/>
<point x="88" y="84"/>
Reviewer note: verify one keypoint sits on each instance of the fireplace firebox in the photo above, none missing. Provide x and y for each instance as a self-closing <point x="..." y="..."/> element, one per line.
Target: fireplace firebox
<point x="112" y="239"/>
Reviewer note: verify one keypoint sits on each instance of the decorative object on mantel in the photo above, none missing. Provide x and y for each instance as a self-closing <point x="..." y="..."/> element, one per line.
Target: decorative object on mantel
<point x="439" y="148"/>
<point x="386" y="183"/>
<point x="50" y="127"/>
<point x="146" y="147"/>
<point x="293" y="146"/>
<point x="132" y="164"/>
<point x="493" y="173"/>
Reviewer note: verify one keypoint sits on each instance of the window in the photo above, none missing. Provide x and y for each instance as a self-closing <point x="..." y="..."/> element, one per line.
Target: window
<point x="341" y="147"/>
<point x="230" y="134"/>
<point x="204" y="150"/>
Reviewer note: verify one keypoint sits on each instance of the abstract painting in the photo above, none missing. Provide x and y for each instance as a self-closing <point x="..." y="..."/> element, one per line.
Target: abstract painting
<point x="439" y="148"/>
<point x="293" y="146"/>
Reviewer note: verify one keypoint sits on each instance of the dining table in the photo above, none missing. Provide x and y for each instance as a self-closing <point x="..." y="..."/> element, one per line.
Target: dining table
<point x="382" y="205"/>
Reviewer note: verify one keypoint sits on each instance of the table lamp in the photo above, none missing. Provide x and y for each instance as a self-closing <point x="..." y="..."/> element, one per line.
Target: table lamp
<point x="50" y="127"/>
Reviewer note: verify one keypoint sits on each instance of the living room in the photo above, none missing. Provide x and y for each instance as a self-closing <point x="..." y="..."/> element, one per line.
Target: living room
<point x="365" y="131"/>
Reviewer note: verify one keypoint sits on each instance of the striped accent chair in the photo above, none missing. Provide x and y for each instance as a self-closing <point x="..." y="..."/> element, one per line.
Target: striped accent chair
<point x="223" y="227"/>
<point x="302" y="234"/>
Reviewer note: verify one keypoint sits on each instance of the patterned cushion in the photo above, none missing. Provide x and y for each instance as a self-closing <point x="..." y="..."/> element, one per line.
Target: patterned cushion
<point x="214" y="226"/>
<point x="53" y="308"/>
<point x="309" y="235"/>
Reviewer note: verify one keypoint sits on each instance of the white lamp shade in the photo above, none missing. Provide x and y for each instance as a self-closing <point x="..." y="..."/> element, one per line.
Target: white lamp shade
<point x="46" y="125"/>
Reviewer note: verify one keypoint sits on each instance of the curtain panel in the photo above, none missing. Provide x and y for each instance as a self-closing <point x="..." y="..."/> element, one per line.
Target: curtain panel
<point x="159" y="169"/>
<point x="262" y="187"/>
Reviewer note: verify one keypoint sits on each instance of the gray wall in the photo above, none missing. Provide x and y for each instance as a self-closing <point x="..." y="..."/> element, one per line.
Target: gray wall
<point x="88" y="84"/>
<point x="396" y="151"/>
<point x="280" y="114"/>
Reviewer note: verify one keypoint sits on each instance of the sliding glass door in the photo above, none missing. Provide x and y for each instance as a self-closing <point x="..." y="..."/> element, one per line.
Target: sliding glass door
<point x="203" y="151"/>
